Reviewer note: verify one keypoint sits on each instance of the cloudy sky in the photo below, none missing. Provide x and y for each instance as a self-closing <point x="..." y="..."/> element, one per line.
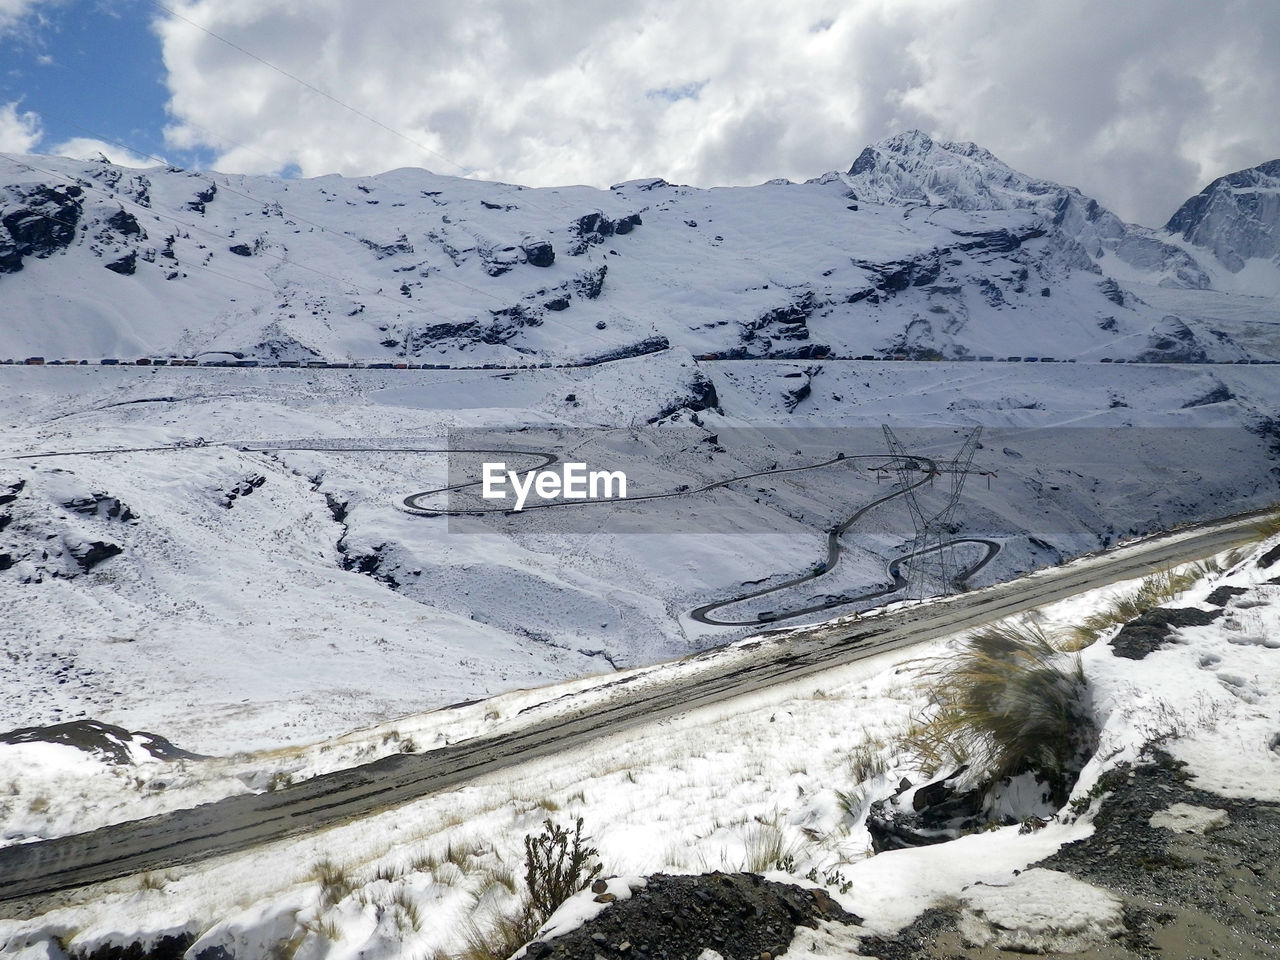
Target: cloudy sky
<point x="1138" y="103"/>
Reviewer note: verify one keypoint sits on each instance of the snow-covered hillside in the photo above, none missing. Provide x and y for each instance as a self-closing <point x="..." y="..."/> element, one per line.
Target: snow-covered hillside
<point x="243" y="541"/>
<point x="924" y="249"/>
<point x="269" y="586"/>
<point x="1173" y="847"/>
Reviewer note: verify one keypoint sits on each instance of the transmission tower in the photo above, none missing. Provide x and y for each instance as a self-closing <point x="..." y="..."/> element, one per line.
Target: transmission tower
<point x="929" y="567"/>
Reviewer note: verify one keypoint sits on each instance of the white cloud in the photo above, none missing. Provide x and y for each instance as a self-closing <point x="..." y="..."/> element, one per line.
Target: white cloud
<point x="19" y="131"/>
<point x="12" y="12"/>
<point x="1138" y="104"/>
<point x="87" y="148"/>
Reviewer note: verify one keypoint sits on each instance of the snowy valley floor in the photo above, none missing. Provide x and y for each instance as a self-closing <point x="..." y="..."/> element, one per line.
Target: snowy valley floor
<point x="1165" y="856"/>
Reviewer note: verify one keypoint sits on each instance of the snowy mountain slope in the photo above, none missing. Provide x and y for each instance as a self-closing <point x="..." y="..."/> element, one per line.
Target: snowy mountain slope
<point x="268" y="566"/>
<point x="104" y="261"/>
<point x="1237" y="218"/>
<point x="270" y="590"/>
<point x="911" y="168"/>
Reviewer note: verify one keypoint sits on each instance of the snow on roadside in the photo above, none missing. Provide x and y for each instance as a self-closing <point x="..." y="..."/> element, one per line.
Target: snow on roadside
<point x="763" y="783"/>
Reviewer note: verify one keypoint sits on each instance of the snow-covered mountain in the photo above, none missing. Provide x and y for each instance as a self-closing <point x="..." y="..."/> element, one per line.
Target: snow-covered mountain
<point x="243" y="532"/>
<point x="1237" y="217"/>
<point x="911" y="168"/>
<point x="924" y="249"/>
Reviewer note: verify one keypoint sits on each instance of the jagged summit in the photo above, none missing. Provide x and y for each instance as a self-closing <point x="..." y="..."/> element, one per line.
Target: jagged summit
<point x="1237" y="216"/>
<point x="913" y="168"/>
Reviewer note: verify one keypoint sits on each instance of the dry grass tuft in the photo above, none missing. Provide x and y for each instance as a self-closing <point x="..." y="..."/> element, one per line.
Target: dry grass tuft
<point x="1008" y="703"/>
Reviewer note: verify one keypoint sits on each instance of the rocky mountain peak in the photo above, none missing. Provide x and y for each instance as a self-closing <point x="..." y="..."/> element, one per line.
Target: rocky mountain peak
<point x="913" y="168"/>
<point x="1237" y="217"/>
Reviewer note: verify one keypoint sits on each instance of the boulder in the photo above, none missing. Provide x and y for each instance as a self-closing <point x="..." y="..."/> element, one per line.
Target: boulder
<point x="538" y="253"/>
<point x="126" y="265"/>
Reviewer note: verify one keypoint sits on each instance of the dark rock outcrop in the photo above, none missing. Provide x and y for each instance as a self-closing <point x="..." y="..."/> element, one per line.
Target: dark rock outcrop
<point x="741" y="916"/>
<point x="202" y="197"/>
<point x="126" y="265"/>
<point x="92" y="553"/>
<point x="373" y="564"/>
<point x="939" y="812"/>
<point x="1222" y="595"/>
<point x="538" y="253"/>
<point x="596" y="228"/>
<point x="101" y="505"/>
<point x="125" y="223"/>
<point x="590" y="283"/>
<point x="1235" y="216"/>
<point x="44" y="223"/>
<point x="106" y="740"/>
<point x="1219" y="393"/>
<point x="1148" y="633"/>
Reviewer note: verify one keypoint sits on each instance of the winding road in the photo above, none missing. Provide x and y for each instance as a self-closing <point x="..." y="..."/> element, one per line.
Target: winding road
<point x="703" y="614"/>
<point x="414" y="503"/>
<point x="32" y="873"/>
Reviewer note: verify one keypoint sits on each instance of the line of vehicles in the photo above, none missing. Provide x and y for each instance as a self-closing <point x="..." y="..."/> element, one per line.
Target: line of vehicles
<point x="304" y="364"/>
<point x="406" y="365"/>
<point x="994" y="359"/>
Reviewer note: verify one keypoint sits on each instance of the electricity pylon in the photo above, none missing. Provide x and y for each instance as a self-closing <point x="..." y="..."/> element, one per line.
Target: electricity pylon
<point x="930" y="569"/>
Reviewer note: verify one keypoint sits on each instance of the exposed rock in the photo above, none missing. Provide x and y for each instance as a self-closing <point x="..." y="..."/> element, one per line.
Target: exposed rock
<point x="627" y="223"/>
<point x="109" y="742"/>
<point x="1222" y="595"/>
<point x="384" y="250"/>
<point x="101" y="505"/>
<point x="1172" y="341"/>
<point x="912" y="168"/>
<point x="373" y="564"/>
<point x="202" y="197"/>
<point x="242" y="489"/>
<point x="1270" y="557"/>
<point x="1237" y="217"/>
<point x="595" y="225"/>
<point x="787" y="322"/>
<point x="596" y="228"/>
<point x="44" y="223"/>
<point x="938" y="812"/>
<point x="590" y="283"/>
<point x="1148" y="633"/>
<point x="538" y="253"/>
<point x="640" y="349"/>
<point x="1220" y="393"/>
<point x="90" y="554"/>
<point x="126" y="265"/>
<point x="701" y="395"/>
<point x="9" y="491"/>
<point x="125" y="223"/>
<point x="499" y="260"/>
<point x="1111" y="290"/>
<point x="241" y="249"/>
<point x="739" y="916"/>
<point x="167" y="947"/>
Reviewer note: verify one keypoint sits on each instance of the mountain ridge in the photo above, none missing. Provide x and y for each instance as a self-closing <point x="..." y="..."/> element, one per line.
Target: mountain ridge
<point x="925" y="248"/>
